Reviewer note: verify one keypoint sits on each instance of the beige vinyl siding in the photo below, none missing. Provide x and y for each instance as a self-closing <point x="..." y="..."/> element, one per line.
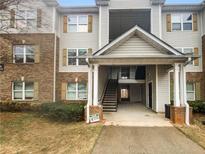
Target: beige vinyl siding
<point x="185" y="39"/>
<point x="156" y="20"/>
<point x="135" y="46"/>
<point x="151" y="77"/>
<point x="129" y="4"/>
<point x="80" y="40"/>
<point x="163" y="86"/>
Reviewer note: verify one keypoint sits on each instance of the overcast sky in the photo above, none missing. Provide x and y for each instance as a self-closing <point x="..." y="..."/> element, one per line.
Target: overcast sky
<point x="92" y="2"/>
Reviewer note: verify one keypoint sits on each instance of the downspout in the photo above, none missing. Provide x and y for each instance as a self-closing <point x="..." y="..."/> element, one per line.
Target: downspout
<point x="54" y="59"/>
<point x="88" y="106"/>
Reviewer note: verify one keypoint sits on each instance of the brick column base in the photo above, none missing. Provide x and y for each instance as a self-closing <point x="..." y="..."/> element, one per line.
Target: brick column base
<point x="94" y="110"/>
<point x="178" y="114"/>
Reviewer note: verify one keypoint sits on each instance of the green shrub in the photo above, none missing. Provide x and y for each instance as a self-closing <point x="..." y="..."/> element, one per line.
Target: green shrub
<point x="11" y="106"/>
<point x="63" y="112"/>
<point x="198" y="106"/>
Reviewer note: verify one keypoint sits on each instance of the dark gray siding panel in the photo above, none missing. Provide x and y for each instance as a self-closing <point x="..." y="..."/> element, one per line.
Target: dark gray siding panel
<point x="122" y="20"/>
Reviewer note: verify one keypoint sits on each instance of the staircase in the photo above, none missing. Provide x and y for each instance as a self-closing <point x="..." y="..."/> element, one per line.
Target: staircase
<point x="110" y="97"/>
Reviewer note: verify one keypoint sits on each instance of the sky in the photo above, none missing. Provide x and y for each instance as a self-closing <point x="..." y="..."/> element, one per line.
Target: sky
<point x="92" y="2"/>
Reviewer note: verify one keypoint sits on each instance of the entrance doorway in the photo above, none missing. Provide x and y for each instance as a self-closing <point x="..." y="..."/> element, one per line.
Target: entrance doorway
<point x="150" y="95"/>
<point x="125" y="93"/>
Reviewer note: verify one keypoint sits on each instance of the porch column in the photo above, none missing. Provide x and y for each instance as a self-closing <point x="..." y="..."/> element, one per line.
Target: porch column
<point x="183" y="92"/>
<point x="95" y="90"/>
<point x="181" y="82"/>
<point x="176" y="85"/>
<point x="90" y="95"/>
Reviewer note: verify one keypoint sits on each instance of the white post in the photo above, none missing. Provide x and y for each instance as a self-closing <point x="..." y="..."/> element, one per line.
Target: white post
<point x="183" y="74"/>
<point x="95" y="97"/>
<point x="90" y="96"/>
<point x="176" y="85"/>
<point x="181" y="85"/>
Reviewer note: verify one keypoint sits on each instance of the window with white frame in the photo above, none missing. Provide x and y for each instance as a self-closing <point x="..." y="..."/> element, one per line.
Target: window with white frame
<point x="78" y="23"/>
<point x="189" y="51"/>
<point x="77" y="57"/>
<point x="190" y="91"/>
<point x="26" y="18"/>
<point x="181" y="22"/>
<point x="4" y="19"/>
<point x="23" y="90"/>
<point x="23" y="54"/>
<point x="77" y="91"/>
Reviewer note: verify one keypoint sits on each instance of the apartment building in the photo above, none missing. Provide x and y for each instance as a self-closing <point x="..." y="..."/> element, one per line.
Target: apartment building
<point x="119" y="51"/>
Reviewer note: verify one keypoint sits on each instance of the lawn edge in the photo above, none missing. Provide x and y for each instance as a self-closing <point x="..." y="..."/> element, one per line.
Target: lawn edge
<point x="189" y="137"/>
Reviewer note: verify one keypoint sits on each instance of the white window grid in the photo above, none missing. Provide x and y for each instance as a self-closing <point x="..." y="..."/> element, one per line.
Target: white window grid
<point x="25" y="17"/>
<point x="182" y="22"/>
<point x="23" y="90"/>
<point x="76" y="91"/>
<point x="76" y="57"/>
<point x="192" y="91"/>
<point x="77" y="22"/>
<point x="24" y="53"/>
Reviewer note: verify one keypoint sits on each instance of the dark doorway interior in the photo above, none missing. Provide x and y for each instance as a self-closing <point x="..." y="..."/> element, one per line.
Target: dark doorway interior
<point x="150" y="95"/>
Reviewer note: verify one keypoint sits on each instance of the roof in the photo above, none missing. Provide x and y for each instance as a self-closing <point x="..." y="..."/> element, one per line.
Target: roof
<point x="51" y="2"/>
<point x="152" y="39"/>
<point x="78" y="9"/>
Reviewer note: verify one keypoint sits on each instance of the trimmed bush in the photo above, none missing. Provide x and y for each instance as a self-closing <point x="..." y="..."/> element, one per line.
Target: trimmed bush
<point x="63" y="112"/>
<point x="198" y="106"/>
<point x="9" y="106"/>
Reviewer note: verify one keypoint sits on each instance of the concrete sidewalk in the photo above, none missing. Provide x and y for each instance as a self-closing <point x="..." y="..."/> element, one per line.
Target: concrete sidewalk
<point x="135" y="114"/>
<point x="144" y="140"/>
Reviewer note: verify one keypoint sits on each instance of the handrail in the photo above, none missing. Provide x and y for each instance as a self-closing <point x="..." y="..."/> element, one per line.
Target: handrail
<point x="103" y="93"/>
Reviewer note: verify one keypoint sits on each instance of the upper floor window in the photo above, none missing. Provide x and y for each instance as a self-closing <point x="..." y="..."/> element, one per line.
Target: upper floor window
<point x="78" y="23"/>
<point x="77" y="91"/>
<point x="23" y="54"/>
<point x="181" y="22"/>
<point x="74" y="53"/>
<point x="26" y="18"/>
<point x="23" y="90"/>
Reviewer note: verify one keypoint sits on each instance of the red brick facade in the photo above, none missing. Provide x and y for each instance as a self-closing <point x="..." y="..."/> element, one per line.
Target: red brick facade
<point x="41" y="72"/>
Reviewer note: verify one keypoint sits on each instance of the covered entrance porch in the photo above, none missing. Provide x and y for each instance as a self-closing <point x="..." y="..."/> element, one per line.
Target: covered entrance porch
<point x="137" y="49"/>
<point x="135" y="114"/>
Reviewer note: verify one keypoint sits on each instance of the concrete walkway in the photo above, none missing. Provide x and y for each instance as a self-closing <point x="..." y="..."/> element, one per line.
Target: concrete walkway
<point x="144" y="140"/>
<point x="135" y="114"/>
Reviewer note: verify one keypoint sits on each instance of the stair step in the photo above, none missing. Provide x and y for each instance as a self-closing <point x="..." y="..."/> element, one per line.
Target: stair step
<point x="110" y="101"/>
<point x="109" y="110"/>
<point x="109" y="104"/>
<point x="109" y="107"/>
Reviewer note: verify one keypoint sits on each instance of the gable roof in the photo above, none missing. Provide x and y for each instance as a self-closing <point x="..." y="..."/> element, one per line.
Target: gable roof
<point x="148" y="37"/>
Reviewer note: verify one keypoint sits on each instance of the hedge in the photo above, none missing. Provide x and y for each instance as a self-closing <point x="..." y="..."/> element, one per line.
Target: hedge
<point x="11" y="106"/>
<point x="62" y="111"/>
<point x="198" y="106"/>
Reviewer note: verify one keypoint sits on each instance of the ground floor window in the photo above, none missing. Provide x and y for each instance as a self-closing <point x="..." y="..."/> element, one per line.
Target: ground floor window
<point x="190" y="91"/>
<point x="77" y="91"/>
<point x="23" y="90"/>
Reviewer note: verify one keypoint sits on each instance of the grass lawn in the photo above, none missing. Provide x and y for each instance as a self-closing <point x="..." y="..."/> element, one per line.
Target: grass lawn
<point x="28" y="133"/>
<point x="196" y="131"/>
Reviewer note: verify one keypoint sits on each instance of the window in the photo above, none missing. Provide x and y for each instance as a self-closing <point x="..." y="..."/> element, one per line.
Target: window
<point x="23" y="90"/>
<point x="4" y="19"/>
<point x="78" y="23"/>
<point x="189" y="51"/>
<point x="23" y="54"/>
<point x="190" y="91"/>
<point x="72" y="57"/>
<point x="77" y="91"/>
<point x="26" y="18"/>
<point x="181" y="22"/>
